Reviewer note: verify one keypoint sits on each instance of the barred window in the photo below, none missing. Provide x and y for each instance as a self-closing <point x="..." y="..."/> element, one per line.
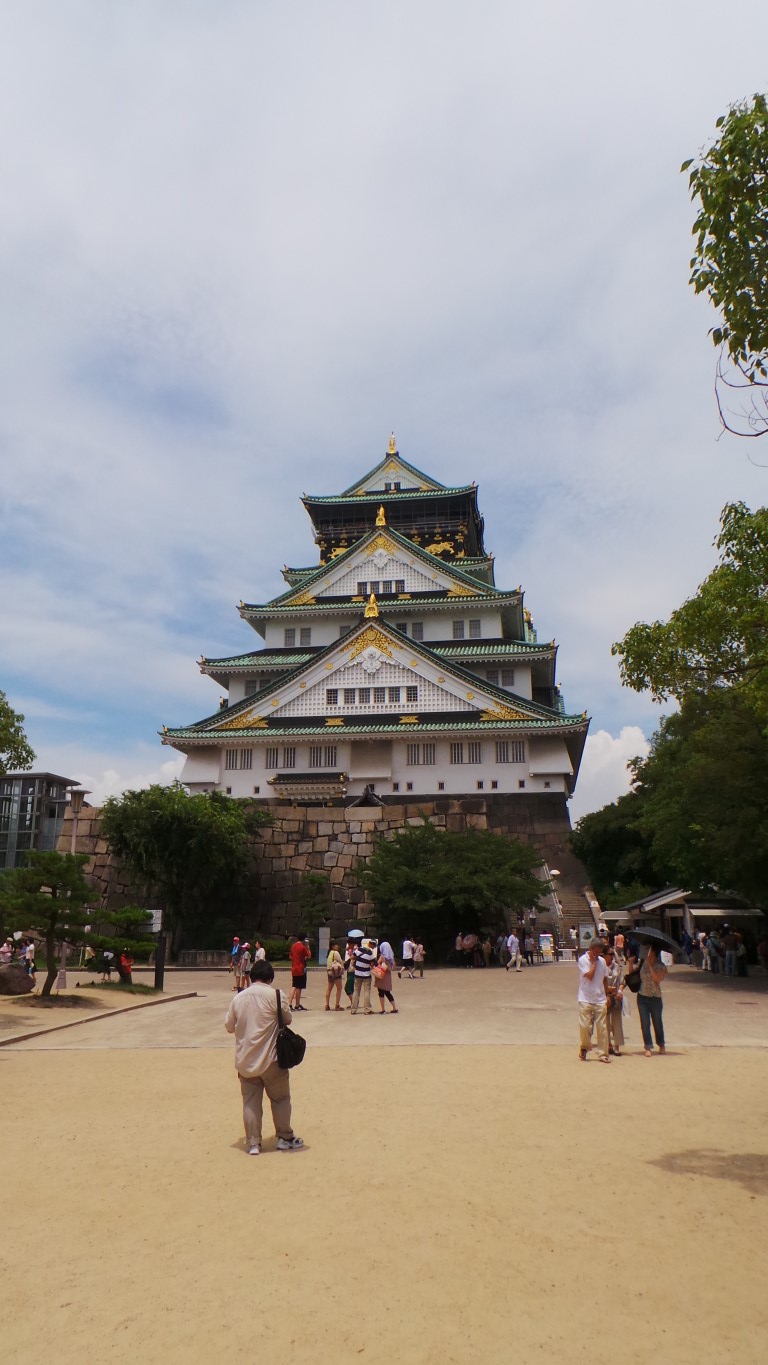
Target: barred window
<point x="246" y="759"/>
<point x="492" y="676"/>
<point x="457" y="753"/>
<point x="375" y="586"/>
<point x="507" y="677"/>
<point x="386" y="587"/>
<point x="329" y="756"/>
<point x="475" y="752"/>
<point x="394" y="694"/>
<point x="289" y="637"/>
<point x="231" y="759"/>
<point x="379" y="694"/>
<point x="414" y="755"/>
<point x="362" y="589"/>
<point x="474" y="630"/>
<point x="402" y="626"/>
<point x="428" y="754"/>
<point x="441" y="786"/>
<point x="271" y="759"/>
<point x="399" y="585"/>
<point x="305" y="635"/>
<point x="349" y="696"/>
<point x="517" y="750"/>
<point x="252" y="685"/>
<point x="411" y="694"/>
<point x="458" y="630"/>
<point x="315" y="756"/>
<point x="364" y="696"/>
<point x="417" y="630"/>
<point x="502" y="751"/>
<point x="289" y="758"/>
<point x="331" y="696"/>
<point x="480" y="786"/>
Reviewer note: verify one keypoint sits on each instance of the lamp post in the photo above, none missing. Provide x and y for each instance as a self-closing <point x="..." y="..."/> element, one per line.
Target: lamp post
<point x="555" y="872"/>
<point x="77" y="796"/>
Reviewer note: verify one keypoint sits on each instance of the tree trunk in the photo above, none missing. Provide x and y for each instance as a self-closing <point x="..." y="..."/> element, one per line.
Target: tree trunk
<point x="53" y="965"/>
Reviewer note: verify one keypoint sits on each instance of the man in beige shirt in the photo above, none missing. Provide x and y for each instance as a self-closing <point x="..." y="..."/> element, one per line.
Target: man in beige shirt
<point x="252" y="1017"/>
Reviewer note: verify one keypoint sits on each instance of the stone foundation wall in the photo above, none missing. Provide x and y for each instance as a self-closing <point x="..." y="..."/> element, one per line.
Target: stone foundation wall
<point x="334" y="840"/>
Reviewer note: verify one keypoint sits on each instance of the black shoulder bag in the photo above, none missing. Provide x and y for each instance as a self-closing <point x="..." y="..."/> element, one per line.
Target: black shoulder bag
<point x="290" y="1046"/>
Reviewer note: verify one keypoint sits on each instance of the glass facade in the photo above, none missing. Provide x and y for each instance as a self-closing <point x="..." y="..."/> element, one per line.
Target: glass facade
<point x="32" y="807"/>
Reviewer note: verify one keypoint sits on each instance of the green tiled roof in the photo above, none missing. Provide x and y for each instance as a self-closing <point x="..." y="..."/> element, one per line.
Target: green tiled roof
<point x="385" y="726"/>
<point x="264" y="659"/>
<point x="386" y="460"/>
<point x="390" y="606"/>
<point x="379" y="496"/>
<point x="464" y="650"/>
<point x="452" y="567"/>
<point x="538" y="714"/>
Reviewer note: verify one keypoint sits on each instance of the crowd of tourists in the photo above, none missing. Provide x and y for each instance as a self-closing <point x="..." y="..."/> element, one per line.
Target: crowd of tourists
<point x="21" y="950"/>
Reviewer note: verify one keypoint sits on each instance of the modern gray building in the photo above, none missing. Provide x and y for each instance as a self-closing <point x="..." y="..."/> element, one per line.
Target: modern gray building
<point x="32" y="807"/>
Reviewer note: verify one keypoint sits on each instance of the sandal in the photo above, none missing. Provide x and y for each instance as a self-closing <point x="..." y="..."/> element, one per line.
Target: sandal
<point x="604" y="1058"/>
<point x="582" y="1054"/>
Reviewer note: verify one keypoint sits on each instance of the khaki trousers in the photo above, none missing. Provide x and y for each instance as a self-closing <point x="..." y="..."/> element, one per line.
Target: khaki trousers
<point x="593" y="1016"/>
<point x="277" y="1084"/>
<point x="365" y="982"/>
<point x="615" y="1026"/>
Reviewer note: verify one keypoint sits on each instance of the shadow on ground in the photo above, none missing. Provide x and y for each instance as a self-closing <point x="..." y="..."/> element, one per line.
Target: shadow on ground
<point x="748" y="1169"/>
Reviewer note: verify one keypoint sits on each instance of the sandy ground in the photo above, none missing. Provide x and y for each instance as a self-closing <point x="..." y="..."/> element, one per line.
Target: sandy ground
<point x="480" y="1199"/>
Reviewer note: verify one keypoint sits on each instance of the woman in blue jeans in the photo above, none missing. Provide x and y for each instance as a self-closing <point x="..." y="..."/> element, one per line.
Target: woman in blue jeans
<point x="649" y="1002"/>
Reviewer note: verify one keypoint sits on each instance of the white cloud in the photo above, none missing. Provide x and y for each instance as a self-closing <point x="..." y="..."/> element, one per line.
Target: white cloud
<point x="604" y="775"/>
<point x="232" y="263"/>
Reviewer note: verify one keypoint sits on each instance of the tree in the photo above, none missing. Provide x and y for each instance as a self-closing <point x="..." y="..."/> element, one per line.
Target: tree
<point x="730" y="262"/>
<point x="719" y="637"/>
<point x="48" y="897"/>
<point x="615" y="848"/>
<point x="187" y="849"/>
<point x="15" y="752"/>
<point x="434" y="882"/>
<point x="703" y="795"/>
<point x="314" y="900"/>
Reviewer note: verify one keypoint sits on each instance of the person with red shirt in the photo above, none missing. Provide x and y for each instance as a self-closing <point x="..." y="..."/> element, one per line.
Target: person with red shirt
<point x="299" y="953"/>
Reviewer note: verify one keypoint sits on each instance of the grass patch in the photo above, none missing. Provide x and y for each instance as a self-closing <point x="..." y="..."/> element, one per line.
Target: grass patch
<point x="136" y="989"/>
<point x="55" y="1002"/>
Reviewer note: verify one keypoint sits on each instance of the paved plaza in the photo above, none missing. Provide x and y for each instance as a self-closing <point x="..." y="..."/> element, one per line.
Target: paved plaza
<point x="469" y="1191"/>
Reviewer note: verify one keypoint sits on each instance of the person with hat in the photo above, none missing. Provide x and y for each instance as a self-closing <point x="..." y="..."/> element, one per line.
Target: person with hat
<point x="244" y="968"/>
<point x="364" y="956"/>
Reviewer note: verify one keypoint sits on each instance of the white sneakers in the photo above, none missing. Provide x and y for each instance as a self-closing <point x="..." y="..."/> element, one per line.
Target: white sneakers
<point x="293" y="1144"/>
<point x="254" y="1150"/>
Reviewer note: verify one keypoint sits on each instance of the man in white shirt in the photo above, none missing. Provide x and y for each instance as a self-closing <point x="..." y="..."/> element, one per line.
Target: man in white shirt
<point x="515" y="956"/>
<point x="408" y="947"/>
<point x="252" y="1017"/>
<point x="593" y="1003"/>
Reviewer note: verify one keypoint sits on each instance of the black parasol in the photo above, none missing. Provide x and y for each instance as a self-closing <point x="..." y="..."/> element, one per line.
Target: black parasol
<point x="656" y="938"/>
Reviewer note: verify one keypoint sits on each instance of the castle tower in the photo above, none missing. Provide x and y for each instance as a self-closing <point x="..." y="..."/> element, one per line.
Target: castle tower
<point x="394" y="663"/>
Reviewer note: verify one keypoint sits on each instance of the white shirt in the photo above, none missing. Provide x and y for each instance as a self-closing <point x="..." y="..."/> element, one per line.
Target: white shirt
<point x="260" y="955"/>
<point x="408" y="947"/>
<point x="592" y="992"/>
<point x="252" y="1017"/>
<point x="513" y="946"/>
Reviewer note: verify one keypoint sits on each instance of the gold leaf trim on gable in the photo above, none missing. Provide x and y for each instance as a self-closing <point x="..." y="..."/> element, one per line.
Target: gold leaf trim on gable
<point x="247" y="722"/>
<point x="503" y="713"/>
<point x="463" y="592"/>
<point x="438" y="546"/>
<point x="305" y="599"/>
<point x="372" y="638"/>
<point x="381" y="542"/>
<point x="409" y="720"/>
<point x="334" y="720"/>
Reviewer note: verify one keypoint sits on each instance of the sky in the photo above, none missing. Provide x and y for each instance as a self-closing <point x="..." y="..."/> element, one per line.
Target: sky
<point x="243" y="241"/>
